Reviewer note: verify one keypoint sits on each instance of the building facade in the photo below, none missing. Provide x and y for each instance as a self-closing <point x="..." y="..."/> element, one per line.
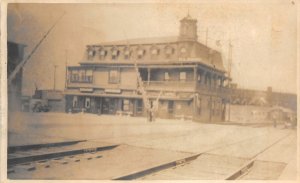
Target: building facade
<point x="189" y="77"/>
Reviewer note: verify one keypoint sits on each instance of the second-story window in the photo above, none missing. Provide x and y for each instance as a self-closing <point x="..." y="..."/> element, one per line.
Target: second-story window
<point x="82" y="76"/>
<point x="114" y="76"/>
<point x="167" y="77"/>
<point x="74" y="76"/>
<point x="89" y="76"/>
<point x="199" y="78"/>
<point x="182" y="76"/>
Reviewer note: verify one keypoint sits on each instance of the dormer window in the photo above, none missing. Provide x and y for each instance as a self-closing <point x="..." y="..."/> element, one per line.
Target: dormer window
<point x="102" y="53"/>
<point x="169" y="51"/>
<point x="141" y="52"/>
<point x="115" y="53"/>
<point x="183" y="50"/>
<point x="154" y="50"/>
<point x="127" y="53"/>
<point x="91" y="52"/>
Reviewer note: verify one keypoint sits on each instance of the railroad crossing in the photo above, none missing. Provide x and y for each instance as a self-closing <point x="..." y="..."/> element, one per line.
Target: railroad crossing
<point x="163" y="150"/>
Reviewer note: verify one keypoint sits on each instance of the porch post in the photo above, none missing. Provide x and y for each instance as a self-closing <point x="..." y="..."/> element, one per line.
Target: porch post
<point x="148" y="78"/>
<point x="195" y="77"/>
<point x="195" y="73"/>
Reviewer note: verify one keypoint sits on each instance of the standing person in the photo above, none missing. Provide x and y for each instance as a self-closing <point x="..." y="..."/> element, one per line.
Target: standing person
<point x="274" y="117"/>
<point x="151" y="111"/>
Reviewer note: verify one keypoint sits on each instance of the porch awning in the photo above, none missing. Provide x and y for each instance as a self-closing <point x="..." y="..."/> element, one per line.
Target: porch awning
<point x="126" y="96"/>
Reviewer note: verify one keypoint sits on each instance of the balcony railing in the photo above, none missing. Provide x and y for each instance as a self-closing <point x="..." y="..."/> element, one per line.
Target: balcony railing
<point x="169" y="85"/>
<point x="87" y="79"/>
<point x="184" y="85"/>
<point x="212" y="89"/>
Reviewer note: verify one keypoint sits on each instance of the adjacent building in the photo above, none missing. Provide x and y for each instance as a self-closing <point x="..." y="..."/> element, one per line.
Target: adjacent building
<point x="266" y="98"/>
<point x="15" y="54"/>
<point x="189" y="75"/>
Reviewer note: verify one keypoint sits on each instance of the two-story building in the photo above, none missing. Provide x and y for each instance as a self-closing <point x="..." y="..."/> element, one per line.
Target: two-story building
<point x="189" y="75"/>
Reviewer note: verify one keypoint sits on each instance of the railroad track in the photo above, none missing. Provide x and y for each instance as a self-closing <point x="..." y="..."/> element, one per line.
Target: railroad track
<point x="206" y="165"/>
<point x="29" y="157"/>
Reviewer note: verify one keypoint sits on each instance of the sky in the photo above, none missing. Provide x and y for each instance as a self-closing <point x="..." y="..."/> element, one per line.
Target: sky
<point x="263" y="35"/>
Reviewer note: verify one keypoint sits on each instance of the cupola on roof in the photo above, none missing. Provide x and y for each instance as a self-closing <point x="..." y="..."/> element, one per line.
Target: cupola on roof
<point x="188" y="29"/>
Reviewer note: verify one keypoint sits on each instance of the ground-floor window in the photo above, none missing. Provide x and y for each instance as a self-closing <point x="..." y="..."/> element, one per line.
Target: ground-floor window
<point x="87" y="102"/>
<point x="139" y="105"/>
<point x="75" y="101"/>
<point x="213" y="104"/>
<point x="126" y="105"/>
<point x="171" y="106"/>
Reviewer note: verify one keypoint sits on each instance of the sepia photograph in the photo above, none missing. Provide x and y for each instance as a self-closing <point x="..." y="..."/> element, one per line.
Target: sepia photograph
<point x="150" y="90"/>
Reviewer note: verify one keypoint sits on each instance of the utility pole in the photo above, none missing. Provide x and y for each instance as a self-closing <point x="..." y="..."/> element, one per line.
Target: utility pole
<point x="66" y="76"/>
<point x="229" y="75"/>
<point x="206" y="36"/>
<point x="229" y="58"/>
<point x="54" y="80"/>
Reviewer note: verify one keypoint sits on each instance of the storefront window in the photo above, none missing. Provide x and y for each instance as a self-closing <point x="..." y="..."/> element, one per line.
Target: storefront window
<point x="126" y="105"/>
<point x="75" y="101"/>
<point x="87" y="102"/>
<point x="139" y="107"/>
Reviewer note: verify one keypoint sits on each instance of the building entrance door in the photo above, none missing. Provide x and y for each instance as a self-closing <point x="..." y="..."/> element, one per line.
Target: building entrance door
<point x="112" y="106"/>
<point x="109" y="106"/>
<point x="105" y="106"/>
<point x="98" y="101"/>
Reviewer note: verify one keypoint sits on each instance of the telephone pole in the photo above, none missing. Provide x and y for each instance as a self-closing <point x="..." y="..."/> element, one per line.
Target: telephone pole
<point x="54" y="80"/>
<point x="66" y="76"/>
<point x="229" y="75"/>
<point x="206" y="36"/>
